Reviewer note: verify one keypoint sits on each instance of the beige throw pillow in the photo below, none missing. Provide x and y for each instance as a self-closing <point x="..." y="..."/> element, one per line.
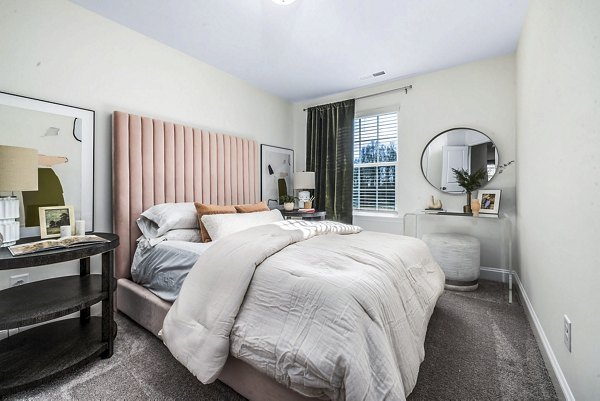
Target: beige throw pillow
<point x="252" y="207"/>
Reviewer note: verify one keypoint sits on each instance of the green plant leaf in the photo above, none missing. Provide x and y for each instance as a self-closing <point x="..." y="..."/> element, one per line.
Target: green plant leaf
<point x="287" y="198"/>
<point x="470" y="182"/>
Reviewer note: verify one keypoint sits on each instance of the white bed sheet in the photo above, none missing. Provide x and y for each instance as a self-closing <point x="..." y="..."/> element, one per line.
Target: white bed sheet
<point x="163" y="267"/>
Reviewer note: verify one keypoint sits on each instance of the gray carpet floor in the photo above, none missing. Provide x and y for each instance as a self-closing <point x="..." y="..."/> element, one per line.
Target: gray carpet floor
<point x="478" y="347"/>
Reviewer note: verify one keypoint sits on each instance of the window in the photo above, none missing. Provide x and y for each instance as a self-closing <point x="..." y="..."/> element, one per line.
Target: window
<point x="375" y="160"/>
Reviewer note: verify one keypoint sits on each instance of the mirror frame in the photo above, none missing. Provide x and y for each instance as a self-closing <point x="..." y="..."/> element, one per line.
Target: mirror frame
<point x="448" y="130"/>
<point x="88" y="132"/>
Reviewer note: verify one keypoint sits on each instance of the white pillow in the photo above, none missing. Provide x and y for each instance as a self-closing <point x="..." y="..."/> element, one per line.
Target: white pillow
<point x="183" y="234"/>
<point x="159" y="219"/>
<point x="221" y="225"/>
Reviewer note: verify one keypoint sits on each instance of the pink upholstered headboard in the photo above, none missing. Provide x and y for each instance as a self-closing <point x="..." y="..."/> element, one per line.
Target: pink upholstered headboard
<point x="158" y="162"/>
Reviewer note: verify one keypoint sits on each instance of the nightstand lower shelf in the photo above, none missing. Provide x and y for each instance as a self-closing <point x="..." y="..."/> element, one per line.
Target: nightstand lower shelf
<point x="42" y="352"/>
<point x="44" y="300"/>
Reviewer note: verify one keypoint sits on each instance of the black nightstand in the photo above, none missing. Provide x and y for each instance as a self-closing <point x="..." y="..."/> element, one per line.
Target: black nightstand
<point x="295" y="214"/>
<point x="46" y="350"/>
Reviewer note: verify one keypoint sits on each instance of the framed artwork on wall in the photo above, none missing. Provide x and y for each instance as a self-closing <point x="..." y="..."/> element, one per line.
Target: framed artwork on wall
<point x="53" y="217"/>
<point x="489" y="199"/>
<point x="276" y="173"/>
<point x="64" y="139"/>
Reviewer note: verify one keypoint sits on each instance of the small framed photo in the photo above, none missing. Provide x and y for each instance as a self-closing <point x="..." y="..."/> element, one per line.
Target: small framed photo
<point x="489" y="200"/>
<point x="53" y="217"/>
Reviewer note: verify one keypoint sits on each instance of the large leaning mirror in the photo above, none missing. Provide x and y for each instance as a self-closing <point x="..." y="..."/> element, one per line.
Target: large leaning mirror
<point x="459" y="148"/>
<point x="63" y="137"/>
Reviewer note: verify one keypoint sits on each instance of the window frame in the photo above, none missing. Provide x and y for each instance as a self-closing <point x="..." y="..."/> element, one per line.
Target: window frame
<point x="396" y="164"/>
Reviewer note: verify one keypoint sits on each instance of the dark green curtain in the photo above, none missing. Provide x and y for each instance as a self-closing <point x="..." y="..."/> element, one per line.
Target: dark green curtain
<point x="329" y="153"/>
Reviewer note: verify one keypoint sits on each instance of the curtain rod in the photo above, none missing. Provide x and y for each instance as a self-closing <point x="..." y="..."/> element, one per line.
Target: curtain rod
<point x="404" y="88"/>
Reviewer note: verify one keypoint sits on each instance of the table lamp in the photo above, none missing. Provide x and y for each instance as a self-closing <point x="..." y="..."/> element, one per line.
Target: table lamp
<point x="303" y="181"/>
<point x="18" y="172"/>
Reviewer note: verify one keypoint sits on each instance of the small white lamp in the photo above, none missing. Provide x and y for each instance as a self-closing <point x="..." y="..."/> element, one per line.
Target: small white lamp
<point x="18" y="172"/>
<point x="303" y="181"/>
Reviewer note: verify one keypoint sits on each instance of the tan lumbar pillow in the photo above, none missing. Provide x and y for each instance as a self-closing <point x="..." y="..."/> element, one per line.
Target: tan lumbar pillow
<point x="252" y="207"/>
<point x="204" y="209"/>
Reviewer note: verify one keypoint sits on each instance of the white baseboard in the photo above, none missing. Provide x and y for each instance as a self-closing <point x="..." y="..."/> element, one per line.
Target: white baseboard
<point x="555" y="371"/>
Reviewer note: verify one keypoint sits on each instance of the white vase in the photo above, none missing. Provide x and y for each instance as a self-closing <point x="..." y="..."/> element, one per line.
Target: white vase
<point x="289" y="206"/>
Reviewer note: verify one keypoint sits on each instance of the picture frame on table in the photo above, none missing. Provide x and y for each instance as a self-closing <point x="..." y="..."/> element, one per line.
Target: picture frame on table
<point x="53" y="217"/>
<point x="276" y="173"/>
<point x="489" y="199"/>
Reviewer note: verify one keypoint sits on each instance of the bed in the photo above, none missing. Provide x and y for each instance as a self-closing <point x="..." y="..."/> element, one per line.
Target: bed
<point x="156" y="162"/>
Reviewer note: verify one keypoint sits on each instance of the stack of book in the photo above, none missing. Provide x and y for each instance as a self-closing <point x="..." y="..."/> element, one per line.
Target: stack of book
<point x="311" y="210"/>
<point x="433" y="211"/>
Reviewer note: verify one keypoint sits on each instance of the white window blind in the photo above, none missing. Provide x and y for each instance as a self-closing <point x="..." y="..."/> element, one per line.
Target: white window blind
<point x="375" y="162"/>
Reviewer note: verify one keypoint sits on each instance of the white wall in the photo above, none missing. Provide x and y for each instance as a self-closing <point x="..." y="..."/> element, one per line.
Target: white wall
<point x="58" y="51"/>
<point x="478" y="95"/>
<point x="558" y="145"/>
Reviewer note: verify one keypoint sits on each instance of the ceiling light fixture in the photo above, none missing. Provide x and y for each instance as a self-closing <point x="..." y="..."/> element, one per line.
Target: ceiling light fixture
<point x="283" y="2"/>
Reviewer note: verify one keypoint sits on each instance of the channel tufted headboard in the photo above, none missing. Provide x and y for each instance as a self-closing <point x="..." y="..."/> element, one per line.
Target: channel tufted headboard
<point x="159" y="162"/>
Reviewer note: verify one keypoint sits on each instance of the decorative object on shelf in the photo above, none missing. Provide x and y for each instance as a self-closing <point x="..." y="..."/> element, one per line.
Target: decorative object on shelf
<point x="288" y="202"/>
<point x="308" y="203"/>
<point x="276" y="167"/>
<point x="53" y="217"/>
<point x="434" y="204"/>
<point x="470" y="182"/>
<point x="433" y="211"/>
<point x="304" y="181"/>
<point x="64" y="138"/>
<point x="18" y="172"/>
<point x="65" y="231"/>
<point x="475" y="207"/>
<point x="79" y="227"/>
<point x="490" y="201"/>
<point x="460" y="148"/>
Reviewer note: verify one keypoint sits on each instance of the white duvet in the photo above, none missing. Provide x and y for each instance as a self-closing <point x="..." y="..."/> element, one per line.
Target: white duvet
<point x="341" y="316"/>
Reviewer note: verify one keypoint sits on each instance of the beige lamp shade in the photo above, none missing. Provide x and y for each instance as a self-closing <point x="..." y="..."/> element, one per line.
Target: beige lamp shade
<point x="18" y="169"/>
<point x="304" y="180"/>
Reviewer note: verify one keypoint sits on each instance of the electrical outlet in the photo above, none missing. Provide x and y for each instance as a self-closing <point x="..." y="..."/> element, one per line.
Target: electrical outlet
<point x="19" y="279"/>
<point x="567" y="332"/>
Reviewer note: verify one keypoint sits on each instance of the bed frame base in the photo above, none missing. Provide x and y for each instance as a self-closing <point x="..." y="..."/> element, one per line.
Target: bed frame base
<point x="149" y="311"/>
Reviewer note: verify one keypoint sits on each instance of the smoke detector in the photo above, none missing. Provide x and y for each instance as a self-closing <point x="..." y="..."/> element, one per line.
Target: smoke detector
<point x="283" y="2"/>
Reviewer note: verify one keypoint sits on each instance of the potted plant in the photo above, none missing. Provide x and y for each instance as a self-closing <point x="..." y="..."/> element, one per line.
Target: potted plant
<point x="288" y="202"/>
<point x="470" y="182"/>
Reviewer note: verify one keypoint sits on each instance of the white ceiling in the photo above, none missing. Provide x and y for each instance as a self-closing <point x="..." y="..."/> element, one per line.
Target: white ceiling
<point x="313" y="48"/>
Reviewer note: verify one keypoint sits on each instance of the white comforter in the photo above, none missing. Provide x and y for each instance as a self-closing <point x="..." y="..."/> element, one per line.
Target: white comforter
<point x="343" y="316"/>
